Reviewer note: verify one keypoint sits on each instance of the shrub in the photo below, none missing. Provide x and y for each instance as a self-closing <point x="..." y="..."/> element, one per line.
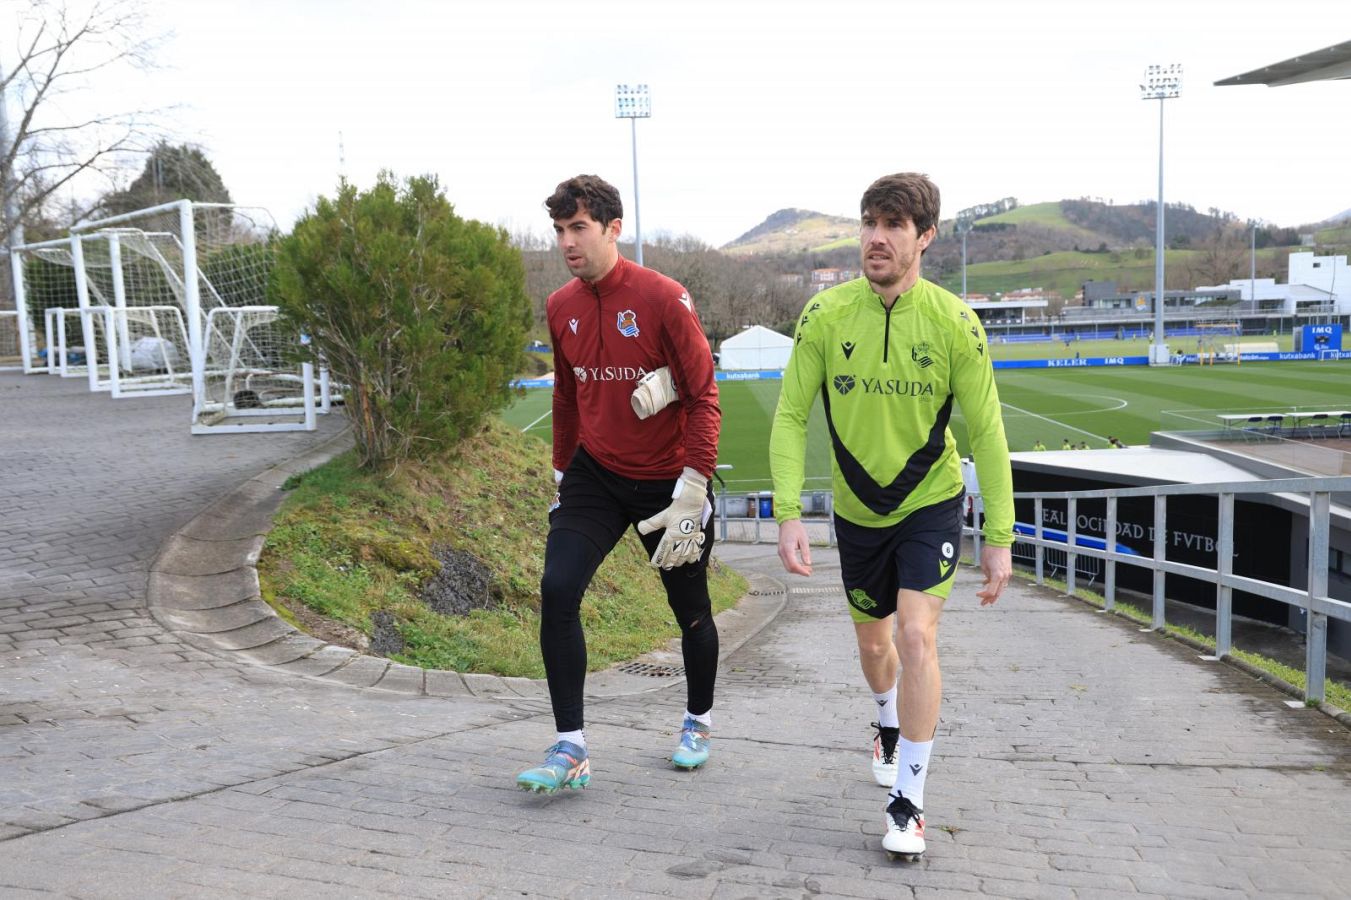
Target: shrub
<point x="419" y="314"/>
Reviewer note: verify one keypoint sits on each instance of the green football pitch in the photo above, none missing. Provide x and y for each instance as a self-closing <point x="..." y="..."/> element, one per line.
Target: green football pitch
<point x="1050" y="405"/>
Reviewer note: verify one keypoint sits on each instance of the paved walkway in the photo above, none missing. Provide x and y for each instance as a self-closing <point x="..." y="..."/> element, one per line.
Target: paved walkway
<point x="1076" y="757"/>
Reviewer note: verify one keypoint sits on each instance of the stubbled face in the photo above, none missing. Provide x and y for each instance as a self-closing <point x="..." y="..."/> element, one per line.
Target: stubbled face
<point x="589" y="248"/>
<point x="890" y="248"/>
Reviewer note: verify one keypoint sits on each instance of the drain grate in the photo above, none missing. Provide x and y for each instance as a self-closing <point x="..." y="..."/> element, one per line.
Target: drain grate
<point x="651" y="671"/>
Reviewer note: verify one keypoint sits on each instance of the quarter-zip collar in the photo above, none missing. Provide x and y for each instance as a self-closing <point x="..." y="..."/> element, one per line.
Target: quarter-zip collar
<point x="902" y="300"/>
<point x="613" y="280"/>
<point x="606" y="287"/>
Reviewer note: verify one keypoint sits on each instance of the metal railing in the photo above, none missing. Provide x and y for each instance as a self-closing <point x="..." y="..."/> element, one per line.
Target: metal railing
<point x="1065" y="554"/>
<point x="748" y="516"/>
<point x="1314" y="601"/>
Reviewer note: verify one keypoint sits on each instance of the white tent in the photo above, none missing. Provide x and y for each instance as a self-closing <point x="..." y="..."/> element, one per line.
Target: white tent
<point x="756" y="347"/>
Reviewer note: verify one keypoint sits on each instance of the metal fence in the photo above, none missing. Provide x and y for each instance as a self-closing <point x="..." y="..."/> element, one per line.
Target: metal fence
<point x="1314" y="601"/>
<point x="1072" y="556"/>
<point x="748" y="516"/>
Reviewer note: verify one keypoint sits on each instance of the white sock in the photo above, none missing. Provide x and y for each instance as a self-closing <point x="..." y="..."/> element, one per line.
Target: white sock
<point x="886" y="709"/>
<point x="704" y="719"/>
<point x="914" y="765"/>
<point x="575" y="737"/>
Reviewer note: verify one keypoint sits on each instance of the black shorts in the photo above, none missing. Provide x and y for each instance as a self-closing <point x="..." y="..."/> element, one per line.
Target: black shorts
<point x="601" y="505"/>
<point x="917" y="554"/>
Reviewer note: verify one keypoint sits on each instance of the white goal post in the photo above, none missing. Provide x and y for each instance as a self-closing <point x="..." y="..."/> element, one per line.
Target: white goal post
<point x="16" y="341"/>
<point x="211" y="261"/>
<point x="47" y="297"/>
<point x="248" y="385"/>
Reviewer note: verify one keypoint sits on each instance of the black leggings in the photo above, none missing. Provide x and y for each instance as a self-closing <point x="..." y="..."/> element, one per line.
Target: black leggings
<point x="578" y="543"/>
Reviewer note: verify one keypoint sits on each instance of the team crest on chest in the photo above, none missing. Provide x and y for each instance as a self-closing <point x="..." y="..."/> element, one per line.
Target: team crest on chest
<point x="627" y="323"/>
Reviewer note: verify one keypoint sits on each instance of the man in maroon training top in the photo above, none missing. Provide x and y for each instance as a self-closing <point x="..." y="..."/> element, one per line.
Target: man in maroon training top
<point x="635" y="421"/>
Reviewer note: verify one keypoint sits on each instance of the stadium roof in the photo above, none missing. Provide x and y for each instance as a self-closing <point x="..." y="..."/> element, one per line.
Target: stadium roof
<point x="1327" y="64"/>
<point x="1135" y="465"/>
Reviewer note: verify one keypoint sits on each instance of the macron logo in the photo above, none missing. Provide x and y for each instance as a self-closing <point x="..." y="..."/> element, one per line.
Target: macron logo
<point x="915" y="770"/>
<point x="572" y="323"/>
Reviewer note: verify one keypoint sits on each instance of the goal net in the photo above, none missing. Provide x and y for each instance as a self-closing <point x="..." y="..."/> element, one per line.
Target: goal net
<point x="180" y="275"/>
<point x="12" y="350"/>
<point x="251" y="385"/>
<point x="1215" y="342"/>
<point x="140" y="329"/>
<point x="78" y="291"/>
<point x="50" y="301"/>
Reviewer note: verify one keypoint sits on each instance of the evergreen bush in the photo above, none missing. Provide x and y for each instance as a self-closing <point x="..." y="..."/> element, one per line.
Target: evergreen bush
<point x="419" y="314"/>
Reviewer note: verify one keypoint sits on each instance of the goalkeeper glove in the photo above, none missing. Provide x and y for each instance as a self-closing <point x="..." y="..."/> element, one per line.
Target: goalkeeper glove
<point x="683" y="520"/>
<point x="558" y="497"/>
<point x="655" y="391"/>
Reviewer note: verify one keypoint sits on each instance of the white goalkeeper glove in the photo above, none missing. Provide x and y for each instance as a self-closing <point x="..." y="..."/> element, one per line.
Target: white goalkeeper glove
<point x="683" y="520"/>
<point x="558" y="497"/>
<point x="655" y="391"/>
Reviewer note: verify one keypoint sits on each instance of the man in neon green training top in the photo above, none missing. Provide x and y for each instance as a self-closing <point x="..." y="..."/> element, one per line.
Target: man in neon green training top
<point x="889" y="353"/>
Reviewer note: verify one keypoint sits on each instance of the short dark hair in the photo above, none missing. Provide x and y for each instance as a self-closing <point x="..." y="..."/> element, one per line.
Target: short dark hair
<point x="601" y="199"/>
<point x="907" y="195"/>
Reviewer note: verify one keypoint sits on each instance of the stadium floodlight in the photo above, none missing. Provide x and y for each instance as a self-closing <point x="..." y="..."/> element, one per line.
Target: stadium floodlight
<point x="634" y="102"/>
<point x="1252" y="271"/>
<point x="1161" y="83"/>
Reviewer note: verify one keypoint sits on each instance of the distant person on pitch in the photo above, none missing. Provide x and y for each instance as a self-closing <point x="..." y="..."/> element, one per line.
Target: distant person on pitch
<point x="889" y="354"/>
<point x="635" y="427"/>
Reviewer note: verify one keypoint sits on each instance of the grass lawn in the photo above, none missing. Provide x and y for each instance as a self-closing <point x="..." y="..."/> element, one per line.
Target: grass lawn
<point x="348" y="545"/>
<point x="1039" y="404"/>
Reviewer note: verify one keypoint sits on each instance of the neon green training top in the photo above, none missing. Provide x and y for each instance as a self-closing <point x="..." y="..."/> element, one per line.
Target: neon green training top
<point x="888" y="379"/>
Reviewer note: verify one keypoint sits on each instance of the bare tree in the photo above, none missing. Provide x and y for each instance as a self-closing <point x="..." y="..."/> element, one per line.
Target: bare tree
<point x="1220" y="257"/>
<point x="60" y="48"/>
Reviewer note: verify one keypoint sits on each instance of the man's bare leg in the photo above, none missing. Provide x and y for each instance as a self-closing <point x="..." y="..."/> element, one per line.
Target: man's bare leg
<point x="877" y="655"/>
<point x="917" y="616"/>
<point x="917" y="649"/>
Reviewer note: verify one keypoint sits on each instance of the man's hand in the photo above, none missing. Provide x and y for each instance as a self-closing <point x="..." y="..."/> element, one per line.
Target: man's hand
<point x="997" y="564"/>
<point x="795" y="551"/>
<point x="683" y="520"/>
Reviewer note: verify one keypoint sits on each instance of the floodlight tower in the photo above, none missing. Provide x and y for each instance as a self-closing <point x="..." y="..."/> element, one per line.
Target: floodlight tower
<point x="633" y="102"/>
<point x="1161" y="83"/>
<point x="963" y="227"/>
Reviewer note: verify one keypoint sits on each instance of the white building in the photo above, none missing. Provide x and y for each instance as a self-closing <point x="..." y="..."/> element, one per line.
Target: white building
<point x="1313" y="283"/>
<point x="756" y="347"/>
<point x="1324" y="273"/>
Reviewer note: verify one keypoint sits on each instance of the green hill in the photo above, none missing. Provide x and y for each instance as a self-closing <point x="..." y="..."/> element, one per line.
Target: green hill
<point x="1063" y="272"/>
<point x="1049" y="216"/>
<point x="1059" y="245"/>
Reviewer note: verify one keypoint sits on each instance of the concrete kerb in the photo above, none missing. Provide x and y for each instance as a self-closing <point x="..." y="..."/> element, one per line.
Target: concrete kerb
<point x="203" y="588"/>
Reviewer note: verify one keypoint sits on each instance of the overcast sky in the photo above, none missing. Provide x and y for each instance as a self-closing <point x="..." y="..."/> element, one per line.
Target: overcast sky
<point x="757" y="105"/>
